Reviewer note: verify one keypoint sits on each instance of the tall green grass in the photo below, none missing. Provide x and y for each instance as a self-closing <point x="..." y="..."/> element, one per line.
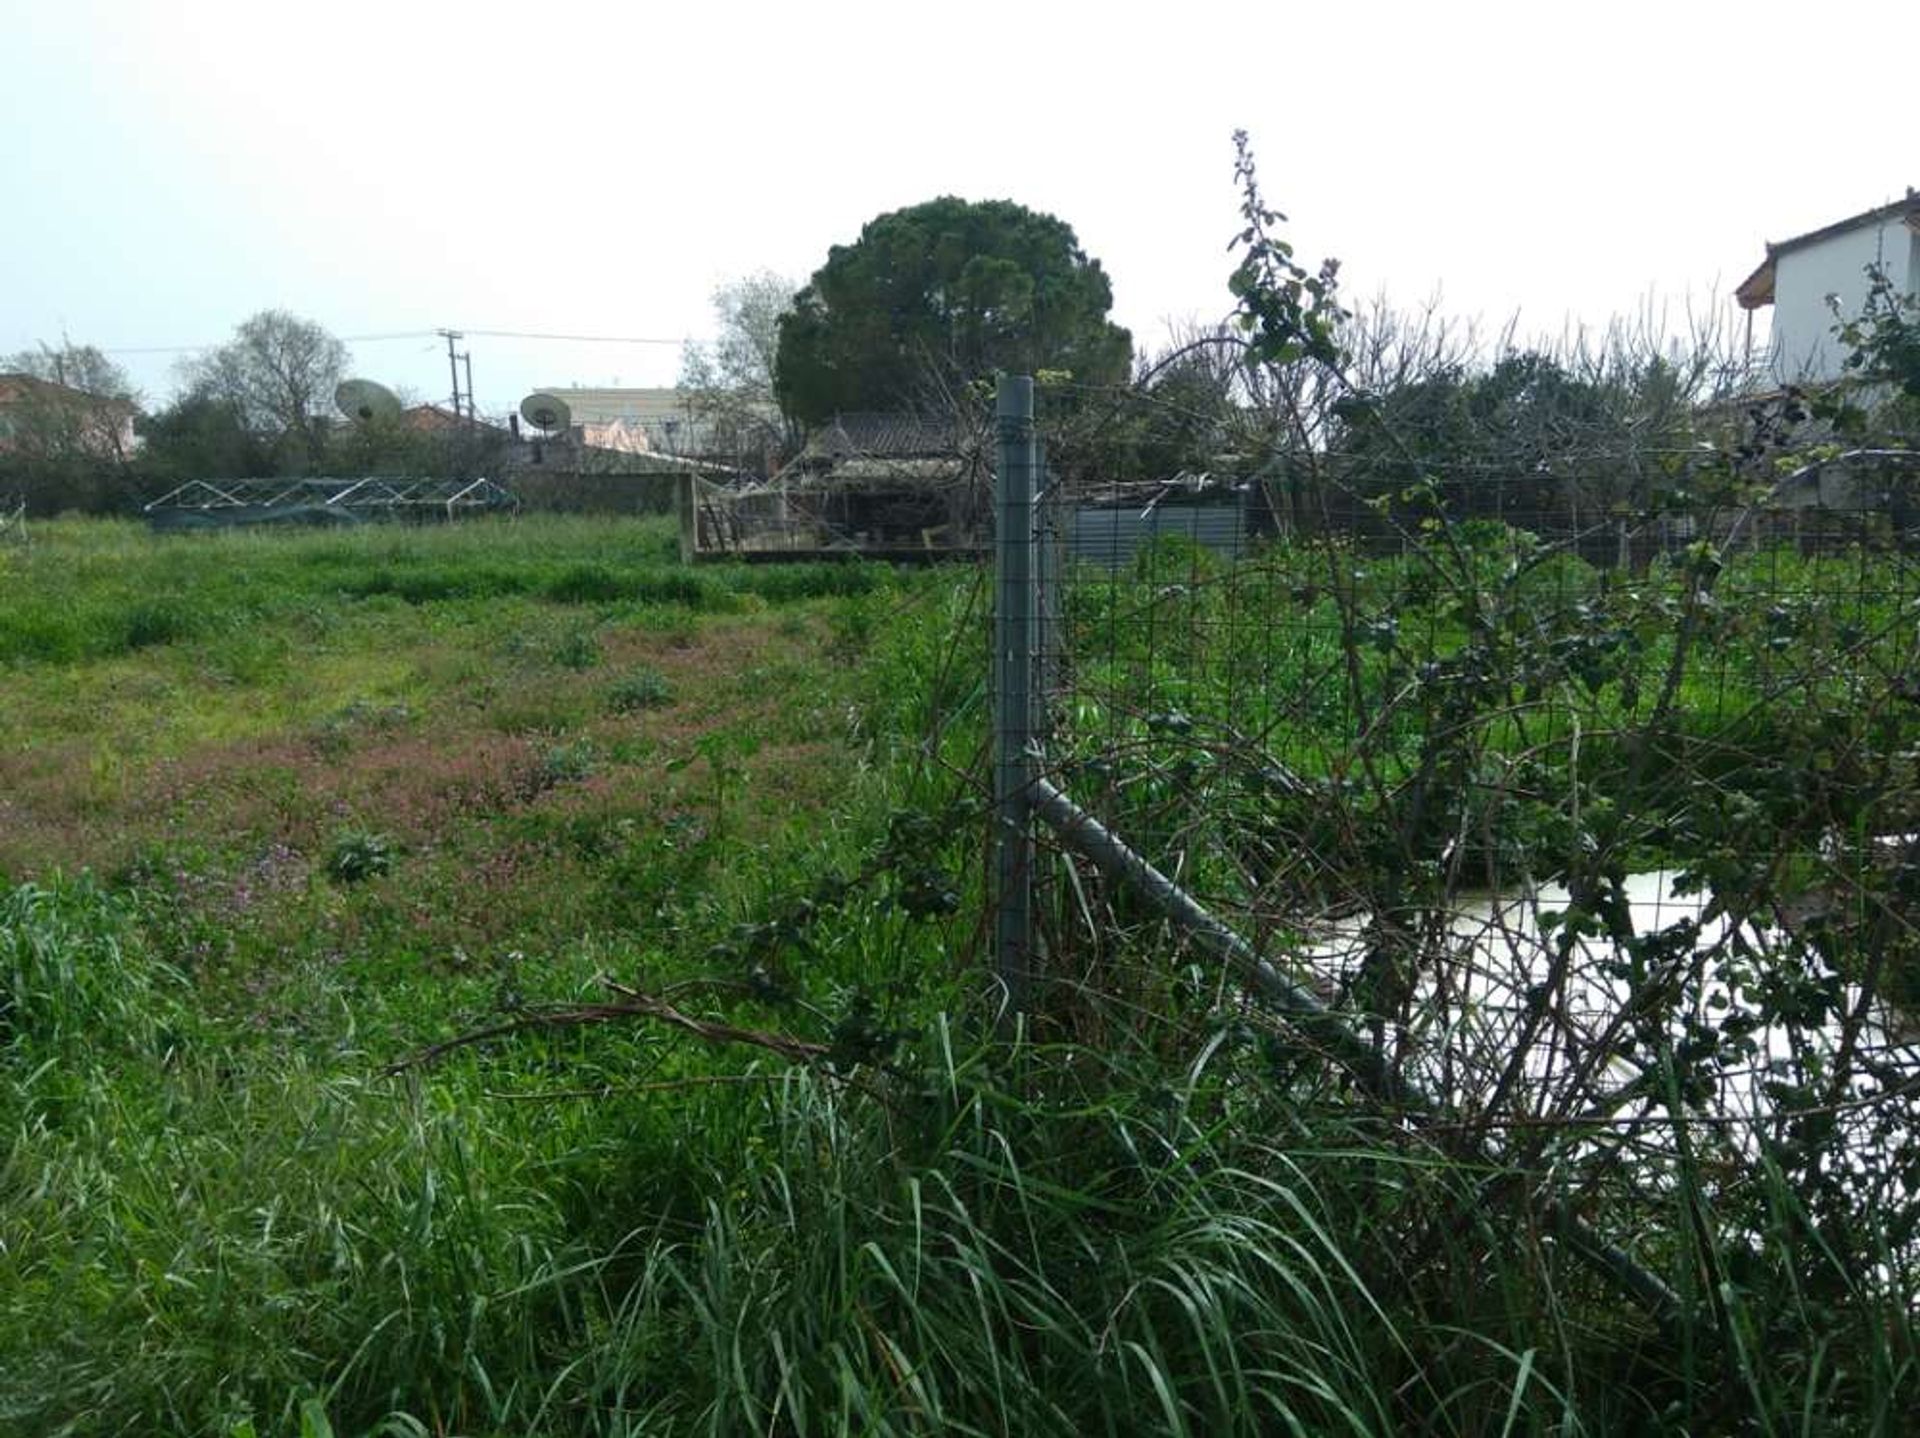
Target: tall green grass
<point x="88" y="590"/>
<point x="1168" y="1235"/>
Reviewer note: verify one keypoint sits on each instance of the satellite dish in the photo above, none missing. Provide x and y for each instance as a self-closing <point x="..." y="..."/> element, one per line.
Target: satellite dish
<point x="365" y="401"/>
<point x="545" y="411"/>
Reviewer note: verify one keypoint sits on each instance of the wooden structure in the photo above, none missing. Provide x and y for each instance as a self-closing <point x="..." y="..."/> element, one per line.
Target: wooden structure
<point x="880" y="486"/>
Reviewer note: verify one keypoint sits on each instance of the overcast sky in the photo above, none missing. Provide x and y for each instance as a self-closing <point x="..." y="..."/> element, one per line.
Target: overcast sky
<point x="171" y="167"/>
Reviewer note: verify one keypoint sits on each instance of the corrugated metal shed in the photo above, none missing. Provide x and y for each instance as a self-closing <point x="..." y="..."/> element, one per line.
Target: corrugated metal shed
<point x="1112" y="534"/>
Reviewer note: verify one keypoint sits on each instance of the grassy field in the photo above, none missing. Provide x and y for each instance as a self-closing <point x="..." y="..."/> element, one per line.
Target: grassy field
<point x="517" y="717"/>
<point x="280" y="810"/>
<point x="276" y="810"/>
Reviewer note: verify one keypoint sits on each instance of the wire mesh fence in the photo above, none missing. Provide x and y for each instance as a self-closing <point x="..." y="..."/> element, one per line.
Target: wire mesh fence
<point x="1583" y="799"/>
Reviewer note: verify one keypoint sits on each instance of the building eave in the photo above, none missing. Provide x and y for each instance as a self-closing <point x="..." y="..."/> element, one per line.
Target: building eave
<point x="1757" y="288"/>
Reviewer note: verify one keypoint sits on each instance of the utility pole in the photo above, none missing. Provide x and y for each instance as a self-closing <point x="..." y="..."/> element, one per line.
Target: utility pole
<point x="453" y="366"/>
<point x="466" y="358"/>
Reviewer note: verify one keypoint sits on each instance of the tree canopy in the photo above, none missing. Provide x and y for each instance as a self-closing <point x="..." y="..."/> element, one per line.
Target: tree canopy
<point x="953" y="289"/>
<point x="1527" y="438"/>
<point x="732" y="379"/>
<point x="1883" y="340"/>
<point x="201" y="436"/>
<point x="80" y="367"/>
<point x="277" y="374"/>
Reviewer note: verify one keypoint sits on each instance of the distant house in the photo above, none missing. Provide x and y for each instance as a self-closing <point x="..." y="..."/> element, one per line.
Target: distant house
<point x="1805" y="278"/>
<point x="438" y="419"/>
<point x="39" y="415"/>
<point x="667" y="422"/>
<point x="634" y="421"/>
<point x="608" y="460"/>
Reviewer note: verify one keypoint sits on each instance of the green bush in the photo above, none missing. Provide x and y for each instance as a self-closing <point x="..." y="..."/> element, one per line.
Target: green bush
<point x="158" y="622"/>
<point x="643" y="687"/>
<point x="580" y="649"/>
<point x="568" y="763"/>
<point x="358" y="854"/>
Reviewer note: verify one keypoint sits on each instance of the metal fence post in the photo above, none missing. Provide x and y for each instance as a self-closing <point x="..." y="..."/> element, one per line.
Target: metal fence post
<point x="1014" y="646"/>
<point x="1046" y="586"/>
<point x="689" y="505"/>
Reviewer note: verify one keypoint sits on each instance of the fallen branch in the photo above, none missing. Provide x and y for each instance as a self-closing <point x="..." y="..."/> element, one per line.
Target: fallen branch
<point x="638" y="1005"/>
<point x="621" y="1090"/>
<point x="788" y="1047"/>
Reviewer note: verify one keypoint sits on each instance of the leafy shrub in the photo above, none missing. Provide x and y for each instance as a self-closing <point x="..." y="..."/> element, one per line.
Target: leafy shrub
<point x="568" y="763"/>
<point x="641" y="688"/>
<point x="334" y="735"/>
<point x="1174" y="558"/>
<point x="854" y="625"/>
<point x="579" y="650"/>
<point x="157" y="622"/>
<point x="358" y="854"/>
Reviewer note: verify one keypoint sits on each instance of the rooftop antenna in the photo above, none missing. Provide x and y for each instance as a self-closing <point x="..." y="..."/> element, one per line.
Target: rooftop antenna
<point x="366" y="401"/>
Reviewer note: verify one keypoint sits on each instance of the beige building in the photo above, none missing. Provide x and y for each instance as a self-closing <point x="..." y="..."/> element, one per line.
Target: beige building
<point x="39" y="415"/>
<point x="634" y="421"/>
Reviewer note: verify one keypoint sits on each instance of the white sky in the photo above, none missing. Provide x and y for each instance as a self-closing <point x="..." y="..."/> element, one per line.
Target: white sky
<point x="171" y="166"/>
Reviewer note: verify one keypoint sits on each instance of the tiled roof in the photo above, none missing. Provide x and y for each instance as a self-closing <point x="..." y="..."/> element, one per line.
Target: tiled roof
<point x="884" y="436"/>
<point x="16" y="387"/>
<point x="438" y="419"/>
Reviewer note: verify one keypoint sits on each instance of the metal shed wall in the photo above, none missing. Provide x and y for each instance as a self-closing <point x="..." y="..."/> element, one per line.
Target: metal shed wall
<point x="1112" y="535"/>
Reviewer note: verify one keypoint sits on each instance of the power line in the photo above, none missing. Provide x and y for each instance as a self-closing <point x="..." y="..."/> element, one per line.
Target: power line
<point x="216" y="344"/>
<point x="573" y="338"/>
<point x="417" y="335"/>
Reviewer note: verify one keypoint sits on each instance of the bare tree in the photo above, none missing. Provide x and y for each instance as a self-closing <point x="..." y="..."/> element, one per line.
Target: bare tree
<point x="278" y="373"/>
<point x="732" y="378"/>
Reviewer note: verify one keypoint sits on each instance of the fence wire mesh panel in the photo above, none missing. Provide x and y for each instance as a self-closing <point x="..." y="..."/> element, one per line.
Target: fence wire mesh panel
<point x="1581" y="793"/>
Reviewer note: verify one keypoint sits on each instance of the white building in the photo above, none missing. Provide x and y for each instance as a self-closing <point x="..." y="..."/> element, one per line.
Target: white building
<point x="632" y="421"/>
<point x="1805" y="278"/>
<point x="666" y="422"/>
